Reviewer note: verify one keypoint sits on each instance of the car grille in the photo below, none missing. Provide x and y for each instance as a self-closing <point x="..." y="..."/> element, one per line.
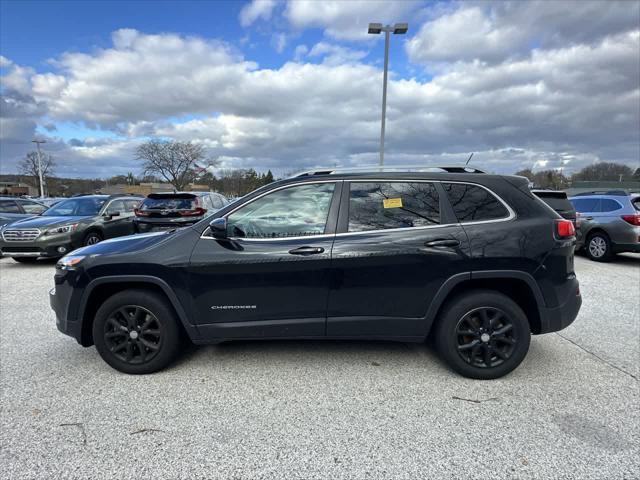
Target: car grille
<point x="15" y="235"/>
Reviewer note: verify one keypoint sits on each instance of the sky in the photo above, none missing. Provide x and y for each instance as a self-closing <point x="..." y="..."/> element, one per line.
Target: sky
<point x="293" y="85"/>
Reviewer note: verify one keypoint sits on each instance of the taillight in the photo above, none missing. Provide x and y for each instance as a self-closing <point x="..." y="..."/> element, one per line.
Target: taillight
<point x="193" y="213"/>
<point x="140" y="213"/>
<point x="565" y="228"/>
<point x="632" y="219"/>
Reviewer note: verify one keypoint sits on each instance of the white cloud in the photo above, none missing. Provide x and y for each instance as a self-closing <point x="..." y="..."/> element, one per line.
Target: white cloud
<point x="279" y="41"/>
<point x="346" y="19"/>
<point x="336" y="54"/>
<point x="257" y="9"/>
<point x="495" y="31"/>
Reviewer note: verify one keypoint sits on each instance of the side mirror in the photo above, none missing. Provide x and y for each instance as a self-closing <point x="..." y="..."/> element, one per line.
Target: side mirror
<point x="218" y="227"/>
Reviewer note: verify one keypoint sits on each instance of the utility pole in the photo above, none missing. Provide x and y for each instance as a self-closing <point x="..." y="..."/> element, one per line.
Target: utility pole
<point x="38" y="142"/>
<point x="376" y="29"/>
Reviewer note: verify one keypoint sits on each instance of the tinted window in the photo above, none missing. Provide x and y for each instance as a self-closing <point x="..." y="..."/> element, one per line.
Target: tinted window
<point x="131" y="205"/>
<point x="87" y="206"/>
<point x="32" y="207"/>
<point x="169" y="203"/>
<point x="217" y="201"/>
<point x="9" y="206"/>
<point x="380" y="206"/>
<point x="473" y="203"/>
<point x="608" y="205"/>
<point x="586" y="204"/>
<point x="291" y="212"/>
<point x="558" y="202"/>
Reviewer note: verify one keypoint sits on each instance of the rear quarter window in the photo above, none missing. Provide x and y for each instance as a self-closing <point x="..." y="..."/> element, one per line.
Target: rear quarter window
<point x="472" y="203"/>
<point x="609" y="205"/>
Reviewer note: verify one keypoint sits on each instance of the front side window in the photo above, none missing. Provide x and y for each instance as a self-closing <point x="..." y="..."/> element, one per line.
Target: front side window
<point x="9" y="206"/>
<point x="291" y="212"/>
<point x="32" y="207"/>
<point x="381" y="206"/>
<point x="472" y="203"/>
<point x="117" y="206"/>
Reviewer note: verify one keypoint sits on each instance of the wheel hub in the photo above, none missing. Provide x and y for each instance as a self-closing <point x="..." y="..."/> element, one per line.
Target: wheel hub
<point x="133" y="334"/>
<point x="485" y="337"/>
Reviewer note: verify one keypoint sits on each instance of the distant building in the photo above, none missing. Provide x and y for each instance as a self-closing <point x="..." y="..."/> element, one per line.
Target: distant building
<point x="17" y="189"/>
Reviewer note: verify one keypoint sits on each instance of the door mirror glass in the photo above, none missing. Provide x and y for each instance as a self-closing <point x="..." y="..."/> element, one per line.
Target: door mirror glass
<point x="218" y="227"/>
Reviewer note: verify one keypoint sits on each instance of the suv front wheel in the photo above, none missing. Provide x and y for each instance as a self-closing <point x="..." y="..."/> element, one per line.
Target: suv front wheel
<point x="482" y="334"/>
<point x="137" y="331"/>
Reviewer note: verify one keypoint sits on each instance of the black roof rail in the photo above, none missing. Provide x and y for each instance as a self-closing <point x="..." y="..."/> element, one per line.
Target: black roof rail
<point x="397" y="168"/>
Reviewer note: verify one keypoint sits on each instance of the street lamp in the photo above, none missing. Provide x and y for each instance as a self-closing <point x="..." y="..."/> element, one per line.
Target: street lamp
<point x="376" y="29"/>
<point x="38" y="142"/>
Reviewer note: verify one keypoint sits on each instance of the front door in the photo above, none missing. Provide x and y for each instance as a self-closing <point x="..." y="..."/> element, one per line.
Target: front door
<point x="118" y="219"/>
<point x="394" y="249"/>
<point x="271" y="277"/>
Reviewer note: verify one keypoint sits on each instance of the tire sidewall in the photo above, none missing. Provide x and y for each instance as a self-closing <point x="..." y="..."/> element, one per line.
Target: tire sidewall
<point x="446" y="339"/>
<point x="159" y="307"/>
<point x="607" y="254"/>
<point x="89" y="235"/>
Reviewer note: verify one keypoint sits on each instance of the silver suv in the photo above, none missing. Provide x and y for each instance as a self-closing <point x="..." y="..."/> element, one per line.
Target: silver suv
<point x="609" y="223"/>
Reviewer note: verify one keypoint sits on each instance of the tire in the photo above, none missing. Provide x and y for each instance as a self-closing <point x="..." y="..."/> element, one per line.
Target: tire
<point x="91" y="238"/>
<point x="508" y="334"/>
<point x="26" y="259"/>
<point x="122" y="342"/>
<point x="598" y="247"/>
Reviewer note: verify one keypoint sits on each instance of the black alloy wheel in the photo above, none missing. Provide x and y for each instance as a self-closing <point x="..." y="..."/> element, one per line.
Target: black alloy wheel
<point x="486" y="337"/>
<point x="133" y="334"/>
<point x="482" y="334"/>
<point x="92" y="238"/>
<point x="137" y="332"/>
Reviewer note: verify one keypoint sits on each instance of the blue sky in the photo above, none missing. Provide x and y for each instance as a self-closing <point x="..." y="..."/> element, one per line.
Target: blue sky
<point x="289" y="85"/>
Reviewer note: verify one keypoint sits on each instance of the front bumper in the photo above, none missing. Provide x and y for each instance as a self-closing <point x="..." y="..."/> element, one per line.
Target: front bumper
<point x="41" y="247"/>
<point x="64" y="300"/>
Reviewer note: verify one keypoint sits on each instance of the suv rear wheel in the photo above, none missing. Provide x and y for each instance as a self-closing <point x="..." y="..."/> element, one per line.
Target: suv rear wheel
<point x="482" y="334"/>
<point x="598" y="247"/>
<point x="136" y="331"/>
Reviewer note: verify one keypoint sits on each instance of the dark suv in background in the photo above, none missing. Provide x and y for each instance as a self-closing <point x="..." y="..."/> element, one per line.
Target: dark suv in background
<point x="609" y="223"/>
<point x="12" y="209"/>
<point x="474" y="261"/>
<point x="68" y="225"/>
<point x="164" y="211"/>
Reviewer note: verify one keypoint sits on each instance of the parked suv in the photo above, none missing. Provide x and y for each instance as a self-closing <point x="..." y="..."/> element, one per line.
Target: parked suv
<point x="12" y="209"/>
<point x="164" y="211"/>
<point x="609" y="224"/>
<point x="474" y="261"/>
<point x="68" y="225"/>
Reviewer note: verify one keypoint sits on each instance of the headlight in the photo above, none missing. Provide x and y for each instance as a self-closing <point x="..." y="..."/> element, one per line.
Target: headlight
<point x="70" y="261"/>
<point x="63" y="229"/>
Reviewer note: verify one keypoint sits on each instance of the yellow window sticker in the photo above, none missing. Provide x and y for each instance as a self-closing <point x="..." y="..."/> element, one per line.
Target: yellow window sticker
<point x="392" y="203"/>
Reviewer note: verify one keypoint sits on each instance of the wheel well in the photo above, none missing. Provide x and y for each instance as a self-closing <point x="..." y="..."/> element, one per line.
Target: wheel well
<point x="93" y="230"/>
<point x="101" y="293"/>
<point x="596" y="230"/>
<point x="516" y="289"/>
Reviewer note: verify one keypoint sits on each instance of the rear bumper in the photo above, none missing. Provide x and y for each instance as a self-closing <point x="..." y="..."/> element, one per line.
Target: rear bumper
<point x="626" y="247"/>
<point x="560" y="317"/>
<point x="152" y="225"/>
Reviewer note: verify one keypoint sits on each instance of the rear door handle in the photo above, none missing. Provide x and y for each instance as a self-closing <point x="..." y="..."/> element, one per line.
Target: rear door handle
<point x="306" y="251"/>
<point x="448" y="242"/>
<point x="588" y="218"/>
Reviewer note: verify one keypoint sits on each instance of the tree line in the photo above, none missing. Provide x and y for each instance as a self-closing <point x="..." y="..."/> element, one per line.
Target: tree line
<point x="182" y="163"/>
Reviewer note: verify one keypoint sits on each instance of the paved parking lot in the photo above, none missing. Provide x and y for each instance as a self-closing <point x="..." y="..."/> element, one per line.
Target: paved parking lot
<point x="323" y="409"/>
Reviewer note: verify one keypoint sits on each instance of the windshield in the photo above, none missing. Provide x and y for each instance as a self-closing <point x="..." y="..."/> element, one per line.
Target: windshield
<point x="76" y="207"/>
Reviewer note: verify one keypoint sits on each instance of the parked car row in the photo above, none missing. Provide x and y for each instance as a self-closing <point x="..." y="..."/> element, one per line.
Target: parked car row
<point x="33" y="231"/>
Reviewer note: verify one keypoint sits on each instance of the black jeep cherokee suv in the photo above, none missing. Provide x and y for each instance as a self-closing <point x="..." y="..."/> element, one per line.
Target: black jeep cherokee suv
<point x="474" y="261"/>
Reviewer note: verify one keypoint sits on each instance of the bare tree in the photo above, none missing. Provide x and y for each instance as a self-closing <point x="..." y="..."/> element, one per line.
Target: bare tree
<point x="604" y="171"/>
<point x="176" y="162"/>
<point x="29" y="166"/>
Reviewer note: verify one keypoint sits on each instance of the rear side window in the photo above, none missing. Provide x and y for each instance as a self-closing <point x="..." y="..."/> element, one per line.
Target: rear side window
<point x="586" y="204"/>
<point x="472" y="203"/>
<point x="609" y="205"/>
<point x="9" y="206"/>
<point x="381" y="206"/>
<point x="169" y="203"/>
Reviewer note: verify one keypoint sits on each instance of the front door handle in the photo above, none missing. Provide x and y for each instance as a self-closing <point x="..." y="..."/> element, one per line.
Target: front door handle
<point x="448" y="242"/>
<point x="306" y="251"/>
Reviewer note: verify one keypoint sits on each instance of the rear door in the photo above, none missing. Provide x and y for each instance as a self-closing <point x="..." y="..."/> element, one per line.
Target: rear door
<point x="397" y="243"/>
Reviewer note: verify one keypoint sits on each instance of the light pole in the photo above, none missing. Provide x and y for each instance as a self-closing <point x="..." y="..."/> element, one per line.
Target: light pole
<point x="376" y="29"/>
<point x="38" y="142"/>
